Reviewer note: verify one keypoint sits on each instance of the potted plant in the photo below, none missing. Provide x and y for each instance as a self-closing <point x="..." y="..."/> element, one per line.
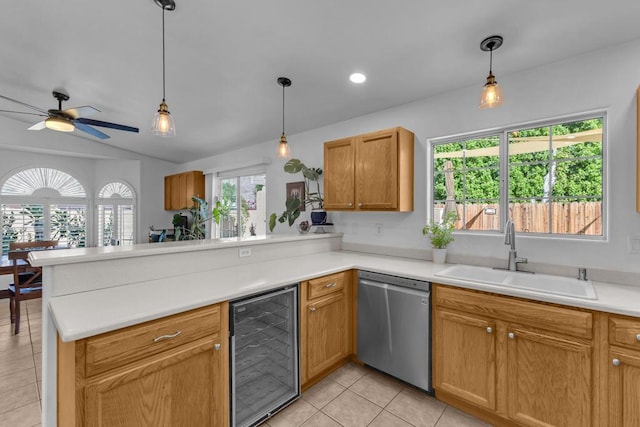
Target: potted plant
<point x="200" y="215"/>
<point x="312" y="198"/>
<point x="441" y="234"/>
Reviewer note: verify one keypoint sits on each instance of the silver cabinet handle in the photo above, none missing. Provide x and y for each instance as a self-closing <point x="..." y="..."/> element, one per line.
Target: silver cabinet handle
<point x="216" y="346"/>
<point x="489" y="330"/>
<point x="638" y="337"/>
<point x="511" y="335"/>
<point x="616" y="362"/>
<point x="167" y="336"/>
<point x="359" y="205"/>
<point x="331" y="285"/>
<point x="312" y="309"/>
<point x="350" y="204"/>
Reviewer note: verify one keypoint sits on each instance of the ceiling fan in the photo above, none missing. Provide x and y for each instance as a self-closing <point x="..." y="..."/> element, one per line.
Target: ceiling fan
<point x="69" y="119"/>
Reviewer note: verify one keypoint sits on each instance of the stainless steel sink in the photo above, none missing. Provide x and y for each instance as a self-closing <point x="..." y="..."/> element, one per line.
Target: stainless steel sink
<point x="544" y="283"/>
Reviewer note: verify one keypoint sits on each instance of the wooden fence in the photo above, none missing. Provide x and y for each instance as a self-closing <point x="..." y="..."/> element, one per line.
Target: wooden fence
<point x="578" y="218"/>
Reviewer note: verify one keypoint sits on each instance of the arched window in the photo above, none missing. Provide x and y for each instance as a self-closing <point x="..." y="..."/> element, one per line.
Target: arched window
<point x="43" y="204"/>
<point x="116" y="215"/>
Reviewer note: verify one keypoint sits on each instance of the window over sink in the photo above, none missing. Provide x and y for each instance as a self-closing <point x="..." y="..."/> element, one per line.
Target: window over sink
<point x="548" y="177"/>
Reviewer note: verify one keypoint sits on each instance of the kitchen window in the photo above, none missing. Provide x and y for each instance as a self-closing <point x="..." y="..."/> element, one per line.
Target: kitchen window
<point x="547" y="177"/>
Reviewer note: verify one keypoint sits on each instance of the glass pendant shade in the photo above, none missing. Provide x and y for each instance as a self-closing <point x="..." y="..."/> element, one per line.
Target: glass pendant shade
<point x="163" y="124"/>
<point x="491" y="93"/>
<point x="61" y="125"/>
<point x="283" y="148"/>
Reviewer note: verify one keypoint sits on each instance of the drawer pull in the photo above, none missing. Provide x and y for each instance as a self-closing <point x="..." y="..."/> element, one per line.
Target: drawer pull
<point x="511" y="335"/>
<point x="216" y="346"/>
<point x="616" y="362"/>
<point x="350" y="204"/>
<point x="167" y="336"/>
<point x="333" y="285"/>
<point x="312" y="309"/>
<point x="638" y="337"/>
<point x="359" y="205"/>
<point x="489" y="330"/>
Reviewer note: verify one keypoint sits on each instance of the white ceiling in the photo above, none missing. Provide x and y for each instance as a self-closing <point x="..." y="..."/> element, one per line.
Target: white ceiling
<point x="223" y="59"/>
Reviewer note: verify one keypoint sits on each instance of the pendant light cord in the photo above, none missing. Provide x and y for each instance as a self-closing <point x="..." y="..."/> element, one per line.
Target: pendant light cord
<point x="283" y="109"/>
<point x="491" y="59"/>
<point x="163" y="61"/>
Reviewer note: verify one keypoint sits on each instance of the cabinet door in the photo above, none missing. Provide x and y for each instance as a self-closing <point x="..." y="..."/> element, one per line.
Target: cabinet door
<point x="624" y="388"/>
<point x="549" y="380"/>
<point x="339" y="181"/>
<point x="465" y="357"/>
<point x="377" y="170"/>
<point x="327" y="333"/>
<point x="187" y="386"/>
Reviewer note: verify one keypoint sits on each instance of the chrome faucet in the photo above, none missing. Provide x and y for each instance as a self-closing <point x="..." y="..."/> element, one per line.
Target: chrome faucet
<point x="510" y="239"/>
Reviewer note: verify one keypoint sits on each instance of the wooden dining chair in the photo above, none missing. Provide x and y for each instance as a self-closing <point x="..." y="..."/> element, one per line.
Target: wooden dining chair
<point x="27" y="280"/>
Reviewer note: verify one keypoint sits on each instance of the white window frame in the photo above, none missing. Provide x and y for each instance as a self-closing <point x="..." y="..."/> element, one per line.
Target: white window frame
<point x="503" y="132"/>
<point x="115" y="202"/>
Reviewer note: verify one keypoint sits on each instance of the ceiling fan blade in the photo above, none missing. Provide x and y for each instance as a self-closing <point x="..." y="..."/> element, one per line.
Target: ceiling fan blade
<point x="23" y="112"/>
<point x="38" y="126"/>
<point x="91" y="131"/>
<point x="106" y="124"/>
<point x="24" y="104"/>
<point x="77" y="112"/>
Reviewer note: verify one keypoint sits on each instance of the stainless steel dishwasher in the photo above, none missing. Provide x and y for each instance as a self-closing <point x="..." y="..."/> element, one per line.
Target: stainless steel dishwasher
<point x="394" y="327"/>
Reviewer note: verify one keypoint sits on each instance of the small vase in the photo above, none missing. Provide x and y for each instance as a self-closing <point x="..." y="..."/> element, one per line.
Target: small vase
<point x="439" y="255"/>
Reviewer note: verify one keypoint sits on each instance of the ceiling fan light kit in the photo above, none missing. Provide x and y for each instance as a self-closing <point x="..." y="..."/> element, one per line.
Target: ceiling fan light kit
<point x="59" y="124"/>
<point x="491" y="95"/>
<point x="163" y="123"/>
<point x="283" y="147"/>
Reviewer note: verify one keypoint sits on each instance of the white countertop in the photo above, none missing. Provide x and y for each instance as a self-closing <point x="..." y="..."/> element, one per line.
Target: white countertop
<point x="85" y="314"/>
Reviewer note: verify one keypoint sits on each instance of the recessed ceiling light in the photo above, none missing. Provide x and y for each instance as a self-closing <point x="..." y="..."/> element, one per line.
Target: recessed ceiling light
<point x="358" y="78"/>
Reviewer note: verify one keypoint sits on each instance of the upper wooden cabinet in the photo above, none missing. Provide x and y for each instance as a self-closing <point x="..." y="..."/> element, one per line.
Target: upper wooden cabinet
<point x="179" y="188"/>
<point x="373" y="172"/>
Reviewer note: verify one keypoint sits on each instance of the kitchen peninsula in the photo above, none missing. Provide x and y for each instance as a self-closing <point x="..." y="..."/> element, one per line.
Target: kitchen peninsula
<point x="96" y="290"/>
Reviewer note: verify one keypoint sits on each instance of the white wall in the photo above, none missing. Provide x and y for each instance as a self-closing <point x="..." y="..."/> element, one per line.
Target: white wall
<point x="605" y="79"/>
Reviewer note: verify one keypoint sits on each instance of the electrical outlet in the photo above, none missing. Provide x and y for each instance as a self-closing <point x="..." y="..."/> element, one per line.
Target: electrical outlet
<point x="634" y="244"/>
<point x="379" y="229"/>
<point x="244" y="252"/>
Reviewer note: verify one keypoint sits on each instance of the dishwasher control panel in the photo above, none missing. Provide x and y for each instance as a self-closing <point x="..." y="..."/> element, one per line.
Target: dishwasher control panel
<point x="395" y="280"/>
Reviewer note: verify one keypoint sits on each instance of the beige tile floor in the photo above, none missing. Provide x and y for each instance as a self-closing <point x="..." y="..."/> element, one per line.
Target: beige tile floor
<point x="356" y="396"/>
<point x="21" y="366"/>
<point x="350" y="397"/>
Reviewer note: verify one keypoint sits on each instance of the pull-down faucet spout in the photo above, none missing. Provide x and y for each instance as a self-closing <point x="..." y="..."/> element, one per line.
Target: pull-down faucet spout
<point x="510" y="239"/>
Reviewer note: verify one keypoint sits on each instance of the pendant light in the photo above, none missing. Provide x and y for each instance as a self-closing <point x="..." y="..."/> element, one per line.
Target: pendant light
<point x="491" y="92"/>
<point x="163" y="124"/>
<point x="283" y="147"/>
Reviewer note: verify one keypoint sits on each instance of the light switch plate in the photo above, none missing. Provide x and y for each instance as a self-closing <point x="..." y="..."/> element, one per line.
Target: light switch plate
<point x="634" y="244"/>
<point x="244" y="252"/>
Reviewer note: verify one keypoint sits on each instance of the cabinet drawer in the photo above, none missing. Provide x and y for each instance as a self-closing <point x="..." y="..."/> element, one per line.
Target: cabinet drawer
<point x="113" y="349"/>
<point x="624" y="331"/>
<point x="325" y="285"/>
<point x="552" y="318"/>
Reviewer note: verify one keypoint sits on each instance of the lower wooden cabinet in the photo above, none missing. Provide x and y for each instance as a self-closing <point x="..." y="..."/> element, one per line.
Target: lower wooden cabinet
<point x="325" y="325"/>
<point x="623" y="371"/>
<point x="182" y="383"/>
<point x="514" y="362"/>
<point x="465" y="357"/>
<point x="549" y="379"/>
